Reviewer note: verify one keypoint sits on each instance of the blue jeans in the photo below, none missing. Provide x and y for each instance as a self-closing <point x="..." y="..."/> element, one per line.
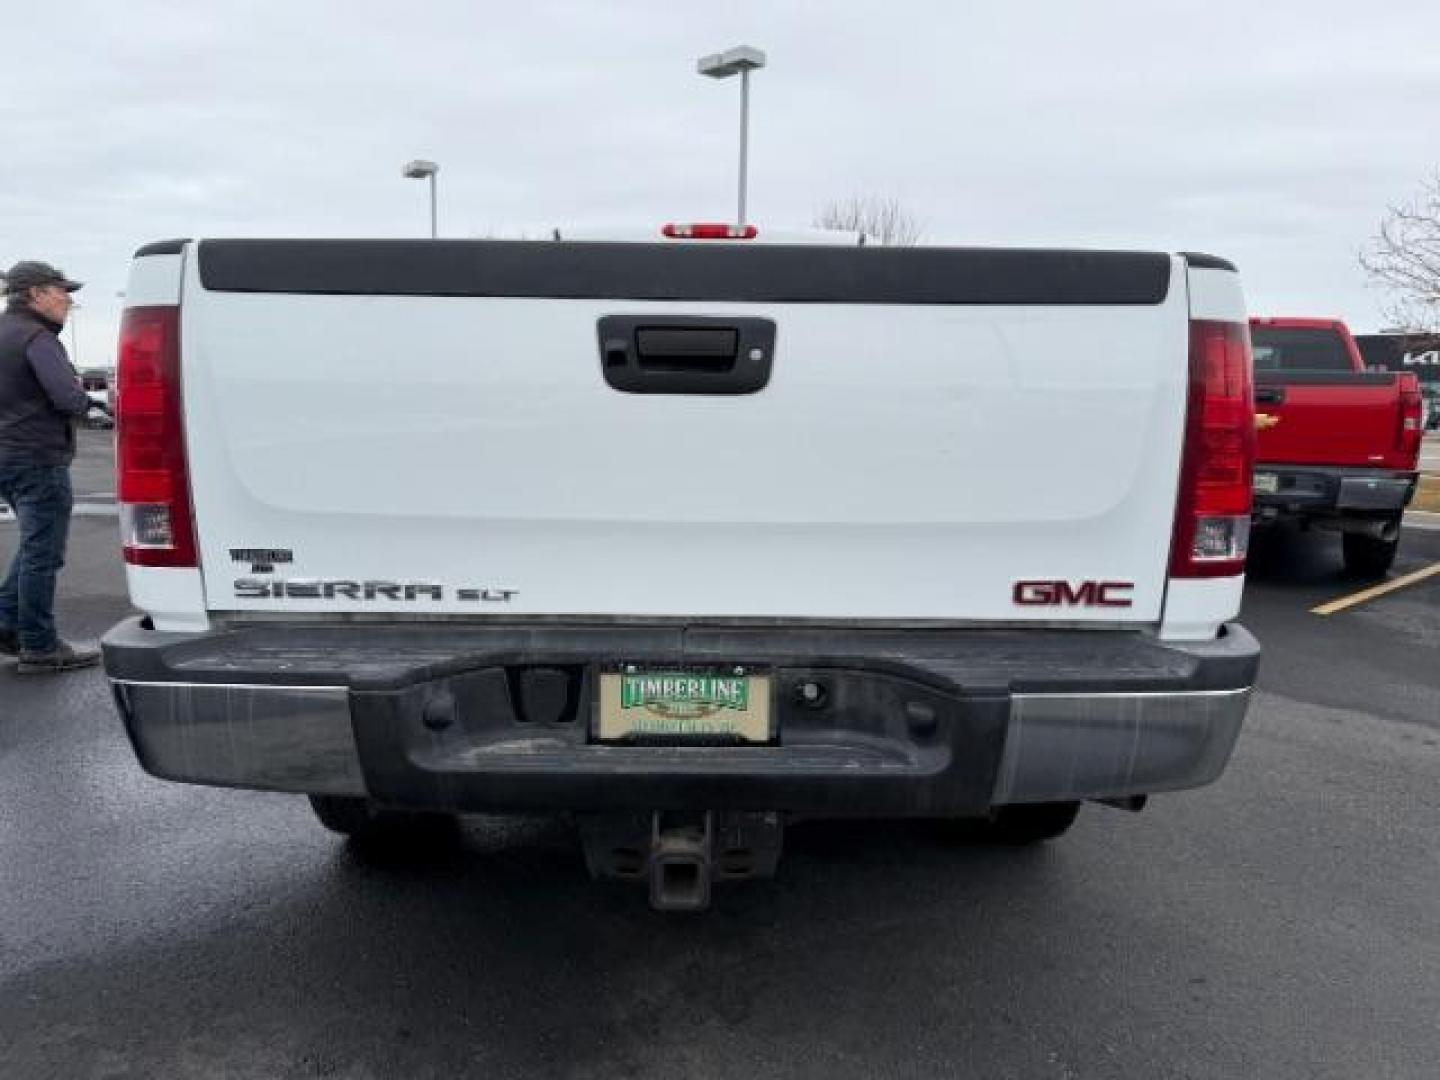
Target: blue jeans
<point x="41" y="498"/>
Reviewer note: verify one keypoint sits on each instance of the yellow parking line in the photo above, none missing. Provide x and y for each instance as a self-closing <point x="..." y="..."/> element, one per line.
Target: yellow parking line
<point x="1378" y="590"/>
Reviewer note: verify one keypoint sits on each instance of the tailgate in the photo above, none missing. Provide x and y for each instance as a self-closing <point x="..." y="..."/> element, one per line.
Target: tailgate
<point x="1327" y="418"/>
<point x="429" y="428"/>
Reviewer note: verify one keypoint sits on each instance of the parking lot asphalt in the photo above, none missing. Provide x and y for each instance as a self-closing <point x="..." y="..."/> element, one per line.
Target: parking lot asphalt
<point x="1281" y="923"/>
<point x="93" y="473"/>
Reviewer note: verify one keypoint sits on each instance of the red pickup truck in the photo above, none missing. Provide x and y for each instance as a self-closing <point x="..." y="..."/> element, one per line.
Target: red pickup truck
<point x="1338" y="446"/>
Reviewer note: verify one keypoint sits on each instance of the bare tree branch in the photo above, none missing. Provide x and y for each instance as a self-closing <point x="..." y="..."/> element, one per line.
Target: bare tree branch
<point x="881" y="220"/>
<point x="1404" y="258"/>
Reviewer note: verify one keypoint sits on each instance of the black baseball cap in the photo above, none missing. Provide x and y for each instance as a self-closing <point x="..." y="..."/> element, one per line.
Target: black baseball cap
<point x="30" y="274"/>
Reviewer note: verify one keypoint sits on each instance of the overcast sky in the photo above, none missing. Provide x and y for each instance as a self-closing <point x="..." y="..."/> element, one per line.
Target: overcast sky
<point x="1271" y="133"/>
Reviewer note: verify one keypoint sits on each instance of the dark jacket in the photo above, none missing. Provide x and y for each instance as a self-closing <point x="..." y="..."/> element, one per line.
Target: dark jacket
<point x="40" y="393"/>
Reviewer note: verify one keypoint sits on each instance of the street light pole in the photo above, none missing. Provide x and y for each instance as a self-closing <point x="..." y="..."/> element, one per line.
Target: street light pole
<point x="744" y="139"/>
<point x="74" y="335"/>
<point x="739" y="61"/>
<point x="434" y="218"/>
<point x="421" y="170"/>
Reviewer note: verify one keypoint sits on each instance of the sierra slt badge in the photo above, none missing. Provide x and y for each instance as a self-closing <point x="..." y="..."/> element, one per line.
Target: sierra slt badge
<point x="343" y="589"/>
<point x="1081" y="594"/>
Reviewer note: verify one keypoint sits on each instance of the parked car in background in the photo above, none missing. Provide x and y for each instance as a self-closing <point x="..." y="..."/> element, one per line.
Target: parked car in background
<point x="1338" y="446"/>
<point x="99" y="388"/>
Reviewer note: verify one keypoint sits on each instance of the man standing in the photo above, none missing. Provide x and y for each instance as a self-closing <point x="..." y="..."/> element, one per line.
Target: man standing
<point x="40" y="399"/>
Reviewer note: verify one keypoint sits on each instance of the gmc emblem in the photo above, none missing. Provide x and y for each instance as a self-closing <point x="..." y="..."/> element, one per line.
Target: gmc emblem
<point x="1083" y="594"/>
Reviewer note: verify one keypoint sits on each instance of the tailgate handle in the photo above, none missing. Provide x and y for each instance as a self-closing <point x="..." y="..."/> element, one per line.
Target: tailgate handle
<point x="1270" y="395"/>
<point x="686" y="348"/>
<point x="648" y="354"/>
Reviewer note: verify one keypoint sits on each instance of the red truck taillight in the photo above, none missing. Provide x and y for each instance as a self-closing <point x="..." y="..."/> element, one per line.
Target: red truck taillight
<point x="1412" y="420"/>
<point x="1212" y="520"/>
<point x="151" y="480"/>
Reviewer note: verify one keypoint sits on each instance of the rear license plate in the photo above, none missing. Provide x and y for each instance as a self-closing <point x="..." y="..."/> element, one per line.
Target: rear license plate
<point x="1267" y="483"/>
<point x="726" y="704"/>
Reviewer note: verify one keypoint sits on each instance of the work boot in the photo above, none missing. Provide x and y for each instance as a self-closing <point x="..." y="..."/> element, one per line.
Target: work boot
<point x="63" y="657"/>
<point x="9" y="643"/>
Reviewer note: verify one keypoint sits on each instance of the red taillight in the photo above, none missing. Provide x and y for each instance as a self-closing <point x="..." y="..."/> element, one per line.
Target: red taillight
<point x="710" y="230"/>
<point x="1212" y="521"/>
<point x="151" y="481"/>
<point x="1412" y="419"/>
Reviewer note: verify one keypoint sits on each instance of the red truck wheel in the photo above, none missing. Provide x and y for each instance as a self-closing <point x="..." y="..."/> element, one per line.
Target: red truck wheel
<point x="1370" y="556"/>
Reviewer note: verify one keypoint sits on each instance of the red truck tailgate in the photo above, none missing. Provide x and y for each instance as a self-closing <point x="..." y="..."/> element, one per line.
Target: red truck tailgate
<point x="1315" y="404"/>
<point x="1325" y="418"/>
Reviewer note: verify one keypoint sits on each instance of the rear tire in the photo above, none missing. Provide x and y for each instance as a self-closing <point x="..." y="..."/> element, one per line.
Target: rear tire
<point x="1031" y="823"/>
<point x="1369" y="556"/>
<point x="365" y="823"/>
<point x="1014" y="826"/>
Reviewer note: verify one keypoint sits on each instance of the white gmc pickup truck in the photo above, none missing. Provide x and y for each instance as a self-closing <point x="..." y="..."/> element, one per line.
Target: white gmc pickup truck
<point x="689" y="537"/>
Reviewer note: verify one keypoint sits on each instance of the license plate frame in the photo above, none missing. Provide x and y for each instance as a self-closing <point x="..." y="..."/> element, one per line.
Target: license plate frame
<point x="685" y="705"/>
